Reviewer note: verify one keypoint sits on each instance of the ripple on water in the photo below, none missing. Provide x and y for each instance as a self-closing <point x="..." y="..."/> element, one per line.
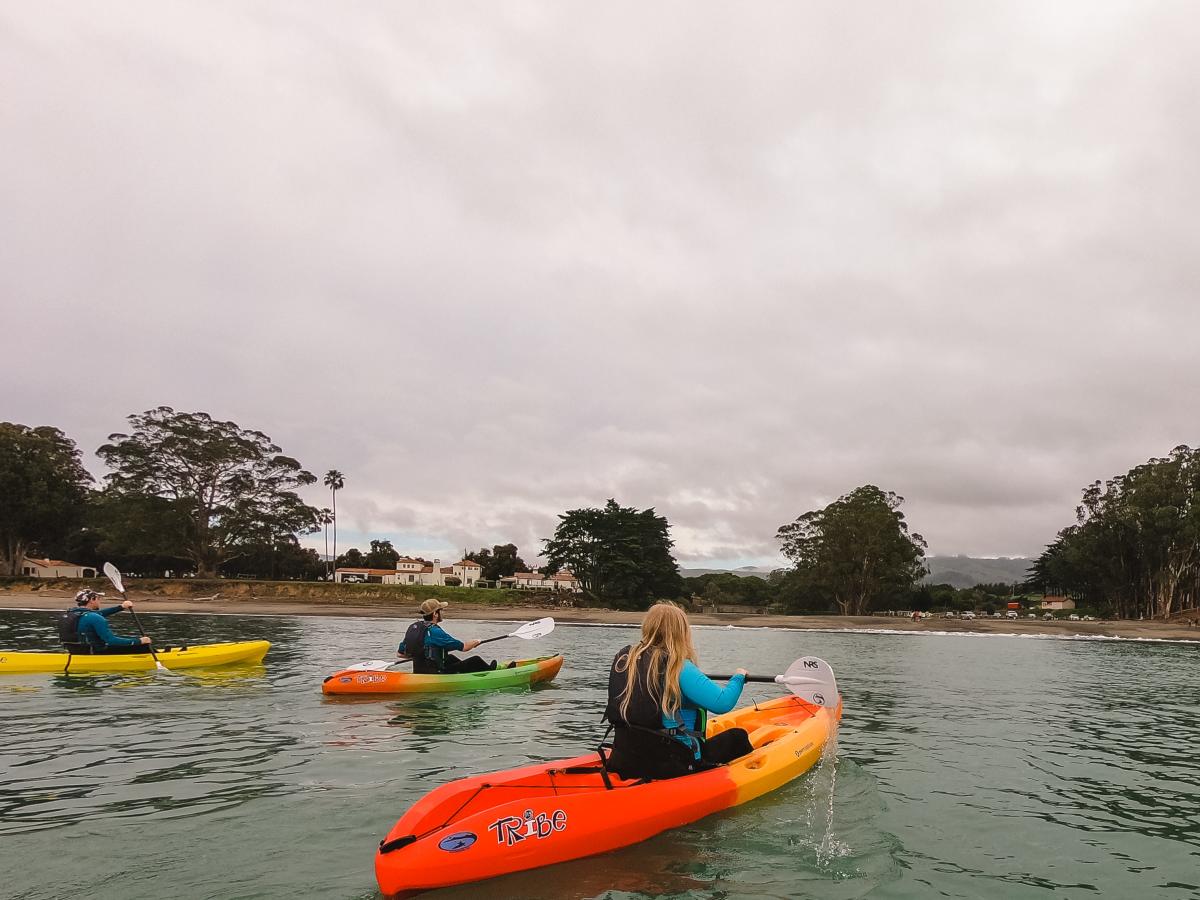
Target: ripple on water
<point x="971" y="768"/>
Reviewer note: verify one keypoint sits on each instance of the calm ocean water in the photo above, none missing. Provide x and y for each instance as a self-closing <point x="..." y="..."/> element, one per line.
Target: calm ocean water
<point x="971" y="767"/>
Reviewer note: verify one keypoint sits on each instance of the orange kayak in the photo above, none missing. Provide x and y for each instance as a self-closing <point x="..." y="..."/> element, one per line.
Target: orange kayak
<point x="366" y="681"/>
<point x="503" y="822"/>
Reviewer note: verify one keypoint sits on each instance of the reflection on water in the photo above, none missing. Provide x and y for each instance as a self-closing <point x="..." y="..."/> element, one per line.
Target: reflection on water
<point x="967" y="768"/>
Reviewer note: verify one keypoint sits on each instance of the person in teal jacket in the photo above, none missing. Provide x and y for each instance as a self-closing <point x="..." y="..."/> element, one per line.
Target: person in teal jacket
<point x="658" y="702"/>
<point x="85" y="628"/>
<point x="428" y="645"/>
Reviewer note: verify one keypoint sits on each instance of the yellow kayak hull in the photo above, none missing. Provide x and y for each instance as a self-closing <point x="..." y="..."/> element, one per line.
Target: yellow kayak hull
<point x="14" y="662"/>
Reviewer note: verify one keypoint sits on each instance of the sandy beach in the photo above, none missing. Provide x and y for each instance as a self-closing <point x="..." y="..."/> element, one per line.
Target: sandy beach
<point x="55" y="600"/>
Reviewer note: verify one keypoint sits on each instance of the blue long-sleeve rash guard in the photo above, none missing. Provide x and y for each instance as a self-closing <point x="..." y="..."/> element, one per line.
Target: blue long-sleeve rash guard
<point x="435" y="637"/>
<point x="94" y="630"/>
<point x="701" y="692"/>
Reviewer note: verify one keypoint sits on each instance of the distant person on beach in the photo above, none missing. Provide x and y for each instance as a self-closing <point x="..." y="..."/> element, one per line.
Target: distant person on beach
<point x="84" y="629"/>
<point x="658" y="700"/>
<point x="428" y="646"/>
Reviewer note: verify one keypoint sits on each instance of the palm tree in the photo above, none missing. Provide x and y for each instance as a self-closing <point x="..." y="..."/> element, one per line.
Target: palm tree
<point x="324" y="517"/>
<point x="335" y="481"/>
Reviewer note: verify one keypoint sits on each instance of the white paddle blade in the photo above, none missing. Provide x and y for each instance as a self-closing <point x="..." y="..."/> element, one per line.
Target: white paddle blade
<point x="531" y="630"/>
<point x="371" y="665"/>
<point x="114" y="576"/>
<point x="811" y="679"/>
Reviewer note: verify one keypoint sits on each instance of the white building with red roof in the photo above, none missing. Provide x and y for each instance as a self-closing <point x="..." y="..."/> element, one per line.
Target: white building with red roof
<point x="536" y="581"/>
<point x="466" y="573"/>
<point x="32" y="567"/>
<point x="413" y="571"/>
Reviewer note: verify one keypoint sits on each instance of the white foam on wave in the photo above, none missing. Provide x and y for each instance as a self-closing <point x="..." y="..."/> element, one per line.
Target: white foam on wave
<point x="993" y="634"/>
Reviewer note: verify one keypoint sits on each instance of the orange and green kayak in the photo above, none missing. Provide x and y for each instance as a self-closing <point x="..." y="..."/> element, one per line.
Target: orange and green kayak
<point x="373" y="681"/>
<point x="503" y="822"/>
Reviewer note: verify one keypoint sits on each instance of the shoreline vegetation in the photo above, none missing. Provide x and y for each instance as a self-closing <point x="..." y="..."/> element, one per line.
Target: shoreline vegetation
<point x="188" y="596"/>
<point x="222" y="504"/>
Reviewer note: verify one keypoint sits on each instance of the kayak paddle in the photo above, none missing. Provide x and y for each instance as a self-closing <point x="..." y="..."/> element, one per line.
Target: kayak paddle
<point x="529" y="631"/>
<point x="114" y="576"/>
<point x="809" y="678"/>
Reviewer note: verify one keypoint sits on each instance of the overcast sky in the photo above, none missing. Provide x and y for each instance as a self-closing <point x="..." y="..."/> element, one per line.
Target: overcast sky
<point x="498" y="260"/>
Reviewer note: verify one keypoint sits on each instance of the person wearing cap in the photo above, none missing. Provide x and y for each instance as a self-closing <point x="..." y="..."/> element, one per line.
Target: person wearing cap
<point x="428" y="646"/>
<point x="84" y="629"/>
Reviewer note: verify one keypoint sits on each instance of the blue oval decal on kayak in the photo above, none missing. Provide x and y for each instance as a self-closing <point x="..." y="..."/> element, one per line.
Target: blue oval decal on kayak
<point x="460" y="840"/>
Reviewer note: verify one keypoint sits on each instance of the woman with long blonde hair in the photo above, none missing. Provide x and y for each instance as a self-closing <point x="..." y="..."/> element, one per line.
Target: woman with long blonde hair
<point x="658" y="700"/>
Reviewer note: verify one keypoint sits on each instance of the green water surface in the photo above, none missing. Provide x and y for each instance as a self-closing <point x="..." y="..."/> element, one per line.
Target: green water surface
<point x="972" y="767"/>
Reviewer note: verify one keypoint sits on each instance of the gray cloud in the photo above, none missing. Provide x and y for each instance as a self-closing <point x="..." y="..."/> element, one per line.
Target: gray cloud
<point x="494" y="261"/>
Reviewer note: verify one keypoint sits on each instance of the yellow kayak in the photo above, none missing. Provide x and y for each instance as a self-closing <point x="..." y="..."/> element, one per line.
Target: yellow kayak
<point x="14" y="662"/>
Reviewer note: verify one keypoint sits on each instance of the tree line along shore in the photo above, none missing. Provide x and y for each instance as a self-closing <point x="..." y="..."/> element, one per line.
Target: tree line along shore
<point x="186" y="597"/>
<point x="190" y="494"/>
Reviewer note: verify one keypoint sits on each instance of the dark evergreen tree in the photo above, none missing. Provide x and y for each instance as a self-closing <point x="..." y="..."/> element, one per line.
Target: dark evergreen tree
<point x="620" y="555"/>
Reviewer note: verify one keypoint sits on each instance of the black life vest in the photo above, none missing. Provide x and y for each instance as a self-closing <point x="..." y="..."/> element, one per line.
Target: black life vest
<point x="645" y="707"/>
<point x="413" y="646"/>
<point x="68" y="627"/>
<point x="642" y="747"/>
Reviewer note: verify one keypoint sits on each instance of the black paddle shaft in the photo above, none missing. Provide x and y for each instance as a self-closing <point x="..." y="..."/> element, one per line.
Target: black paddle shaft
<point x="757" y="679"/>
<point x="489" y="640"/>
<point x="138" y="623"/>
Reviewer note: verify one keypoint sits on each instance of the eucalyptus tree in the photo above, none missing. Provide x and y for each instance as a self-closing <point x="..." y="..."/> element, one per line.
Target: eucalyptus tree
<point x="857" y="550"/>
<point x="43" y="490"/>
<point x="1135" y="547"/>
<point x="218" y="486"/>
<point x="335" y="481"/>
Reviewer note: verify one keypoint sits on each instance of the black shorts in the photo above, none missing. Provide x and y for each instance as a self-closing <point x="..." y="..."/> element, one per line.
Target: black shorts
<point x="129" y="648"/>
<point x="642" y="753"/>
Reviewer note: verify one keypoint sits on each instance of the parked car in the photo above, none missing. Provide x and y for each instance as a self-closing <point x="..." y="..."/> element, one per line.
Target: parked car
<point x="1089" y="618"/>
<point x="1073" y="617"/>
<point x="1049" y="617"/>
<point x="949" y="614"/>
<point x="968" y="615"/>
<point x="997" y="615"/>
<point x="352" y="579"/>
<point x="1011" y="614"/>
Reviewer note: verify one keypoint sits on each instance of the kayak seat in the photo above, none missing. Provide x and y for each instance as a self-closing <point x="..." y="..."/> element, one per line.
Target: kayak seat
<point x="765" y="734"/>
<point x="649" y="754"/>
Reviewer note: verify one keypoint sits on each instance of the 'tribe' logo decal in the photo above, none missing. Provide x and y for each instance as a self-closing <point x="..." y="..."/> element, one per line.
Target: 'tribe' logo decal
<point x="510" y="830"/>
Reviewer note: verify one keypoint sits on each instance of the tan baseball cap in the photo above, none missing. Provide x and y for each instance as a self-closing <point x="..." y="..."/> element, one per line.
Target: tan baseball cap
<point x="429" y="607"/>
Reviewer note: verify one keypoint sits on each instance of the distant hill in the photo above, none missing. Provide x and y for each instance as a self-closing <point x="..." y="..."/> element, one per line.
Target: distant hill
<point x="959" y="571"/>
<point x="968" y="571"/>
<point x="744" y="572"/>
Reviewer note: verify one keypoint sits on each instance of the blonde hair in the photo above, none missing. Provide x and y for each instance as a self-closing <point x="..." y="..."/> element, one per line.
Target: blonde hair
<point x="667" y="638"/>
